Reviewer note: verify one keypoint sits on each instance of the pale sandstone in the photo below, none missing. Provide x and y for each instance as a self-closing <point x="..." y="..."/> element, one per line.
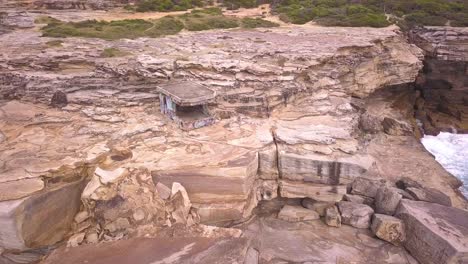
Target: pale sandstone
<point x="388" y="228"/>
<point x="435" y="233"/>
<point x="318" y="192"/>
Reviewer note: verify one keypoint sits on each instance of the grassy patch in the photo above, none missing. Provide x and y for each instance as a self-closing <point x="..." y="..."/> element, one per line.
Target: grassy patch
<point x="248" y="22"/>
<point x="211" y="18"/>
<point x="113" y="52"/>
<point x="129" y="28"/>
<point x="372" y="12"/>
<point x="236" y="4"/>
<point x="196" y="20"/>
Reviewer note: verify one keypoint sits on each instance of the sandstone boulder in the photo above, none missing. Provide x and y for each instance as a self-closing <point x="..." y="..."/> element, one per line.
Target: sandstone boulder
<point x="292" y="213"/>
<point x="357" y="215"/>
<point x="59" y="99"/>
<point x="332" y="216"/>
<point x="179" y="204"/>
<point x="317" y="206"/>
<point x="355" y="198"/>
<point x="435" y="233"/>
<point x="41" y="219"/>
<point x="387" y="200"/>
<point x="365" y="187"/>
<point x="429" y="195"/>
<point x="388" y="228"/>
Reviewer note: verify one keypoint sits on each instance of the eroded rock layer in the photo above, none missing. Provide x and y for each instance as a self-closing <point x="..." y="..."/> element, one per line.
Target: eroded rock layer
<point x="302" y="112"/>
<point x="443" y="105"/>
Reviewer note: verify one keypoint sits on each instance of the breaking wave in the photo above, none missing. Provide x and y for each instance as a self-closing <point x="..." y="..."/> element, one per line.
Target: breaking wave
<point x="451" y="151"/>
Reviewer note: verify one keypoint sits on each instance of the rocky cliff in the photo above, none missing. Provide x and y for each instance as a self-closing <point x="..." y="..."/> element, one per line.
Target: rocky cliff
<point x="303" y="112"/>
<point x="444" y="81"/>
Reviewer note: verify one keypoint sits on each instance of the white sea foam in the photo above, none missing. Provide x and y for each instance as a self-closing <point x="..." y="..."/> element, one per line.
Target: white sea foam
<point x="451" y="151"/>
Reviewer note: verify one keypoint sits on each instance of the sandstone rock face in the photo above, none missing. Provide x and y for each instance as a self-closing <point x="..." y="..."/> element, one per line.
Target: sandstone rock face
<point x="388" y="228"/>
<point x="387" y="200"/>
<point x="318" y="192"/>
<point x="442" y="106"/>
<point x="296" y="214"/>
<point x="289" y="98"/>
<point x="357" y="215"/>
<point x="435" y="233"/>
<point x="41" y="219"/>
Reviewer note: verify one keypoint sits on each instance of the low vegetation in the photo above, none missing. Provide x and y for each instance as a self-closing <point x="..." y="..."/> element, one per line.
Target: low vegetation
<point x="196" y="20"/>
<point x="248" y="22"/>
<point x="166" y="5"/>
<point x="373" y="13"/>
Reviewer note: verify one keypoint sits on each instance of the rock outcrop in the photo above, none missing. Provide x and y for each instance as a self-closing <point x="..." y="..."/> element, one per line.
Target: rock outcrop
<point x="443" y="83"/>
<point x="435" y="233"/>
<point x="289" y="110"/>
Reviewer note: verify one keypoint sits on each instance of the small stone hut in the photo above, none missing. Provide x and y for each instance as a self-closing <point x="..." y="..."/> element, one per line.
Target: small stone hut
<point x="185" y="102"/>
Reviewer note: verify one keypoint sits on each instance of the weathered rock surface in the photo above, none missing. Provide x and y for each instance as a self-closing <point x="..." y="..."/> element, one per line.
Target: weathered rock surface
<point x="297" y="213"/>
<point x="365" y="187"/>
<point x="429" y="195"/>
<point x="171" y="250"/>
<point x="388" y="228"/>
<point x="318" y="192"/>
<point x="355" y="198"/>
<point x="41" y="219"/>
<point x="317" y="206"/>
<point x="291" y="98"/>
<point x="278" y="240"/>
<point x="387" y="200"/>
<point x="435" y="233"/>
<point x="332" y="216"/>
<point x="442" y="104"/>
<point x="357" y="215"/>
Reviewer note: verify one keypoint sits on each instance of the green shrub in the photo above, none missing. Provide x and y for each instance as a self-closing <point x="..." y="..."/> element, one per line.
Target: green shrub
<point x="371" y="12"/>
<point x="196" y="20"/>
<point x="168" y="5"/>
<point x="236" y="4"/>
<point x="168" y="25"/>
<point x="422" y="18"/>
<point x="248" y="22"/>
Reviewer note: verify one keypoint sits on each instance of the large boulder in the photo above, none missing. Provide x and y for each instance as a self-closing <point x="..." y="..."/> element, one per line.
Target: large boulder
<point x="387" y="200"/>
<point x="429" y="195"/>
<point x="388" y="228"/>
<point x="332" y="216"/>
<point x="357" y="215"/>
<point x="355" y="198"/>
<point x="41" y="219"/>
<point x="365" y="187"/>
<point x="435" y="233"/>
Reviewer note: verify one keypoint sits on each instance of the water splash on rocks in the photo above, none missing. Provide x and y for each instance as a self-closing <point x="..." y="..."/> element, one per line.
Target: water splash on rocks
<point x="451" y="151"/>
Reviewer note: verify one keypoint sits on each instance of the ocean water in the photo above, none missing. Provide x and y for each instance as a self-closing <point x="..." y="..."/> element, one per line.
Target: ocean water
<point x="451" y="151"/>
